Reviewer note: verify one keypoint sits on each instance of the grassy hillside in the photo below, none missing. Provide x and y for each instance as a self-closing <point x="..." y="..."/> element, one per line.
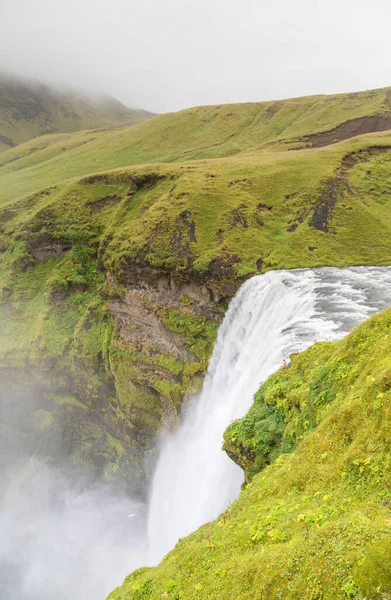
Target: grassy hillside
<point x="29" y="109"/>
<point x="114" y="275"/>
<point x="199" y="133"/>
<point x="227" y="218"/>
<point x="315" y="523"/>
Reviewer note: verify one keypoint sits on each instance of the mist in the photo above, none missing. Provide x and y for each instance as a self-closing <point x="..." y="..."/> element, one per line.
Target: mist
<point x="61" y="536"/>
<point x="164" y="56"/>
<point x="64" y="529"/>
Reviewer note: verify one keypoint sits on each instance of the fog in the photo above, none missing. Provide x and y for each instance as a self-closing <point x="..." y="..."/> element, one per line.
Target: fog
<point x="61" y="536"/>
<point x="164" y="55"/>
<point x="64" y="531"/>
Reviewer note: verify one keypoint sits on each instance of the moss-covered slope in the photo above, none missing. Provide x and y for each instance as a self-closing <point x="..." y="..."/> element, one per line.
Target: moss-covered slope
<point x="316" y="523"/>
<point x="113" y="283"/>
<point x="29" y="109"/>
<point x="226" y="219"/>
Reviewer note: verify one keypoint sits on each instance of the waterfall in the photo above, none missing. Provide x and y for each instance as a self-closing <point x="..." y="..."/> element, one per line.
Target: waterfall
<point x="272" y="316"/>
<point x="63" y="536"/>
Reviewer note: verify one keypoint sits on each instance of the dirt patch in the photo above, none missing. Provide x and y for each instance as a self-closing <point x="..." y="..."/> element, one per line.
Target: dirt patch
<point x="189" y="223"/>
<point x="49" y="251"/>
<point x="97" y="205"/>
<point x="322" y="208"/>
<point x="183" y="236"/>
<point x="360" y="156"/>
<point x="260" y="211"/>
<point x="222" y="267"/>
<point x="325" y="204"/>
<point x="238" y="182"/>
<point x="289" y="197"/>
<point x="261" y="207"/>
<point x="301" y="216"/>
<point x="237" y="217"/>
<point x="147" y="180"/>
<point x="272" y="109"/>
<point x="348" y="130"/>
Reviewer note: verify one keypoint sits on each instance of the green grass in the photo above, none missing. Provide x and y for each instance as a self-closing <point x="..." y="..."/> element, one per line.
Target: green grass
<point x="201" y="200"/>
<point x="221" y="221"/>
<point x="194" y="134"/>
<point x="316" y="522"/>
<point x="29" y="110"/>
<point x="198" y="333"/>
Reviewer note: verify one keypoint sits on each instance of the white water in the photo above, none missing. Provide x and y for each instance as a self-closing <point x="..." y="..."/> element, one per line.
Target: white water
<point x="271" y="317"/>
<point x="77" y="543"/>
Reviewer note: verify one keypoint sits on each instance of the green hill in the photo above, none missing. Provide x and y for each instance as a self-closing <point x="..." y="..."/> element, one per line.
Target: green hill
<point x="121" y="248"/>
<point x="29" y="109"/>
<point x="196" y="134"/>
<point x="316" y="523"/>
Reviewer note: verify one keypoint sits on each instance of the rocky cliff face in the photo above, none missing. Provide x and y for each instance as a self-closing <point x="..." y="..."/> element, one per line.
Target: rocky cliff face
<point x="97" y="371"/>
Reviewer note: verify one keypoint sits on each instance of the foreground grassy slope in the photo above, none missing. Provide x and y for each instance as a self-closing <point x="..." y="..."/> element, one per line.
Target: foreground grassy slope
<point x="29" y="109"/>
<point x="316" y="523"/>
<point x="199" y="133"/>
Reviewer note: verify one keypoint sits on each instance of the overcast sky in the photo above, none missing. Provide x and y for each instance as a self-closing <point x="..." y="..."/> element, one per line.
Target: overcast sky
<point x="164" y="55"/>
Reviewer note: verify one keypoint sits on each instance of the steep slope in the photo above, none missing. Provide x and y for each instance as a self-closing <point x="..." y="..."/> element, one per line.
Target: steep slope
<point x="29" y="109"/>
<point x="114" y="282"/>
<point x="315" y="523"/>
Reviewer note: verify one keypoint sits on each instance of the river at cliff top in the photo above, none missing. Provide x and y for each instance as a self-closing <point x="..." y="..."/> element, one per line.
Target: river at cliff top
<point x="64" y="536"/>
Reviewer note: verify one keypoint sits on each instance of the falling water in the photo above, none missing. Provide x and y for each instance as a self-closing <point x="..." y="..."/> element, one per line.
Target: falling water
<point x="271" y="317"/>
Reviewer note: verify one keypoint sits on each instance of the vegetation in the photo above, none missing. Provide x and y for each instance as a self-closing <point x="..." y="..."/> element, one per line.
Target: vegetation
<point x="29" y="109"/>
<point x="314" y="521"/>
<point x="195" y="134"/>
<point x="120" y="249"/>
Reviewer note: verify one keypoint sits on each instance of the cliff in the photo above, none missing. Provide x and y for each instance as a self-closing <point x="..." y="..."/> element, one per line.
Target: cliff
<point x="114" y="276"/>
<point x="313" y="520"/>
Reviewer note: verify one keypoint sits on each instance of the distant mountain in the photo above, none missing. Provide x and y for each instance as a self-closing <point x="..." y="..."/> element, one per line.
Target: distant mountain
<point x="30" y="109"/>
